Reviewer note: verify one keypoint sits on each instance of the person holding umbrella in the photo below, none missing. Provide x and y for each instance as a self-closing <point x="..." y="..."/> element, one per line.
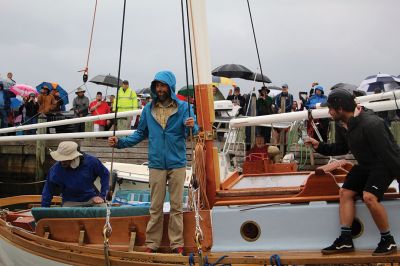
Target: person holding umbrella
<point x="46" y="101"/>
<point x="31" y="110"/>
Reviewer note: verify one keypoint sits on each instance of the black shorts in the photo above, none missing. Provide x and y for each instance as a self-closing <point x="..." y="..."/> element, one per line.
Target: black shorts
<point x="374" y="179"/>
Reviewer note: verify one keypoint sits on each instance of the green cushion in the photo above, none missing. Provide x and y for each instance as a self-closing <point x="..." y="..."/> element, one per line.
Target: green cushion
<point x="88" y="212"/>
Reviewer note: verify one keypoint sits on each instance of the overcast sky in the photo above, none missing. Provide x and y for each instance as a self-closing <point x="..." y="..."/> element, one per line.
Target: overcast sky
<point x="300" y="41"/>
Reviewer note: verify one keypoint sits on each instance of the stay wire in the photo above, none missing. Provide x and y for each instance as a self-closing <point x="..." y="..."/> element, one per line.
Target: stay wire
<point x="255" y="41"/>
<point x="116" y="98"/>
<point x="185" y="55"/>
<point x="86" y="70"/>
<point x="190" y="49"/>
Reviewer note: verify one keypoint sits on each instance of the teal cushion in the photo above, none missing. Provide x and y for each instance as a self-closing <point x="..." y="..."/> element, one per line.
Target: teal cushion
<point x="88" y="212"/>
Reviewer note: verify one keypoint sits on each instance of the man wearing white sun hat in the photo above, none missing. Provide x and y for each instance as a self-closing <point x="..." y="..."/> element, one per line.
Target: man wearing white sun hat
<point x="74" y="174"/>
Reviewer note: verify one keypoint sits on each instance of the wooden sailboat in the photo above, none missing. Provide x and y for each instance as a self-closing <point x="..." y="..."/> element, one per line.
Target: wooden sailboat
<point x="244" y="225"/>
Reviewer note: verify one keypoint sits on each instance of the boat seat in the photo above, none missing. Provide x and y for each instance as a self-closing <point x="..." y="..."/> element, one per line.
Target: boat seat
<point x="88" y="212"/>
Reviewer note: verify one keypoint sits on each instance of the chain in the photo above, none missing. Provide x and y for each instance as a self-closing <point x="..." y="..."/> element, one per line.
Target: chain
<point x="107" y="230"/>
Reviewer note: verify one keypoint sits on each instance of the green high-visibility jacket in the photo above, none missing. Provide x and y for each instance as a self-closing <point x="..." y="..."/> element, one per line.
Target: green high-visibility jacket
<point x="127" y="100"/>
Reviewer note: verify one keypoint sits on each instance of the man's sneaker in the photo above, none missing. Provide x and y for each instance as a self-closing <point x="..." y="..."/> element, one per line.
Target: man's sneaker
<point x="341" y="245"/>
<point x="385" y="247"/>
<point x="178" y="250"/>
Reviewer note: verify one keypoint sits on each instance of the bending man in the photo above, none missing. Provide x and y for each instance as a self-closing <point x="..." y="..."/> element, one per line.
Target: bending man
<point x="74" y="173"/>
<point x="372" y="144"/>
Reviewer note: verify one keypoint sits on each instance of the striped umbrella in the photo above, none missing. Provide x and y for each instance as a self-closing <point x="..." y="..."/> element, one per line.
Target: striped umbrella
<point x="223" y="81"/>
<point x="383" y="82"/>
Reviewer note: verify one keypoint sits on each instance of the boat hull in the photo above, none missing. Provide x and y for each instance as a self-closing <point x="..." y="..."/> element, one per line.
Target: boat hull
<point x="12" y="255"/>
<point x="294" y="226"/>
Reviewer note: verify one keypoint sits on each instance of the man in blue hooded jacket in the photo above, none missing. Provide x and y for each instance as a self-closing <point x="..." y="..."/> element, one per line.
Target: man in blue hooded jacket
<point x="165" y="122"/>
<point x="318" y="97"/>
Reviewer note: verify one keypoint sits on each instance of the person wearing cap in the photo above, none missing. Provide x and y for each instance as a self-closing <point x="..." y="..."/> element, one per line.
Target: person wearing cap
<point x="5" y="103"/>
<point x="31" y="108"/>
<point x="81" y="107"/>
<point x="127" y="101"/>
<point x="237" y="99"/>
<point x="74" y="174"/>
<point x="165" y="121"/>
<point x="264" y="107"/>
<point x="288" y="100"/>
<point x="370" y="141"/>
<point x="99" y="107"/>
<point x="46" y="101"/>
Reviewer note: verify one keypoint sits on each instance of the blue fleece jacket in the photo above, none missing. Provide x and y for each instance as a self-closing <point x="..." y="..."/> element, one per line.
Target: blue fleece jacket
<point x="167" y="147"/>
<point x="76" y="184"/>
<point x="313" y="100"/>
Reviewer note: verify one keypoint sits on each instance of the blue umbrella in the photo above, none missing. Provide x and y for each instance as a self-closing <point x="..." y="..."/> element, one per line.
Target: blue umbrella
<point x="51" y="85"/>
<point x="15" y="103"/>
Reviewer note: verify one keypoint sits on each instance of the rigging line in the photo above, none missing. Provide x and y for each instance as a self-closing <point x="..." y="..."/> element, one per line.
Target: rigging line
<point x="255" y="41"/>
<point x="185" y="54"/>
<point x="190" y="50"/>
<point x="116" y="98"/>
<point x="85" y="71"/>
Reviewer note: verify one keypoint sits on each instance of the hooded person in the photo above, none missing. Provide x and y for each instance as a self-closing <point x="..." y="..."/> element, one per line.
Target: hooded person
<point x="165" y="121"/>
<point x="74" y="174"/>
<point x="318" y="97"/>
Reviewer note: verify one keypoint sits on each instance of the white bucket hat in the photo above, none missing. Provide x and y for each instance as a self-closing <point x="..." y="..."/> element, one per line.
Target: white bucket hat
<point x="66" y="151"/>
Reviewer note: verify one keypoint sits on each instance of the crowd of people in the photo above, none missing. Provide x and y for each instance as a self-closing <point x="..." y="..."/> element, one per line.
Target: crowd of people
<point x="50" y="105"/>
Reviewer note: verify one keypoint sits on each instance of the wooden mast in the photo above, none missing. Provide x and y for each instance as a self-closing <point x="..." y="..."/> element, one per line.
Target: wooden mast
<point x="204" y="99"/>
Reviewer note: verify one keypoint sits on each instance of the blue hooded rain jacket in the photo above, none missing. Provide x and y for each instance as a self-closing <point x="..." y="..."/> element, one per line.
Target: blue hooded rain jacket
<point x="313" y="100"/>
<point x="167" y="147"/>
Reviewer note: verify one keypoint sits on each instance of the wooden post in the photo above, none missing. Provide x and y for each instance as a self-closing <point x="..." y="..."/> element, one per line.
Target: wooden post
<point x="253" y="112"/>
<point x="89" y="128"/>
<point x="40" y="151"/>
<point x="282" y="133"/>
<point x="332" y="132"/>
<point x="395" y="128"/>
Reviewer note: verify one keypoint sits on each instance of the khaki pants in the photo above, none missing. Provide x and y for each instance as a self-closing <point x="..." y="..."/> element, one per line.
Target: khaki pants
<point x="158" y="182"/>
<point x="124" y="123"/>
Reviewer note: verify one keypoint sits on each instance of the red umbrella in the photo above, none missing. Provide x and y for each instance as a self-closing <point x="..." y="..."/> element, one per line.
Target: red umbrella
<point x="23" y="90"/>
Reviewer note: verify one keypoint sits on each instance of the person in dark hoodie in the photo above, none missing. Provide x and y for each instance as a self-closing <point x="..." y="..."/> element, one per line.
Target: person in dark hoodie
<point x="372" y="144"/>
<point x="31" y="111"/>
<point x="165" y="122"/>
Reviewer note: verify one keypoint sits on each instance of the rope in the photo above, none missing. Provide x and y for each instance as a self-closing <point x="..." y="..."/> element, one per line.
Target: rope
<point x="217" y="262"/>
<point x="85" y="71"/>
<point x="255" y="41"/>
<point x="275" y="260"/>
<point x="395" y="100"/>
<point x="107" y="226"/>
<point x="190" y="49"/>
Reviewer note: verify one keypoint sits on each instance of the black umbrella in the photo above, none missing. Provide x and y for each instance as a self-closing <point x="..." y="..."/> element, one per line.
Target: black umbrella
<point x="232" y="71"/>
<point x="144" y="91"/>
<point x="353" y="89"/>
<point x="106" y="80"/>
<point x="381" y="81"/>
<point x="258" y="77"/>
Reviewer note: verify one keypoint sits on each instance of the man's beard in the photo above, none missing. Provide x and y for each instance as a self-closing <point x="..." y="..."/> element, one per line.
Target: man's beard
<point x="163" y="97"/>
